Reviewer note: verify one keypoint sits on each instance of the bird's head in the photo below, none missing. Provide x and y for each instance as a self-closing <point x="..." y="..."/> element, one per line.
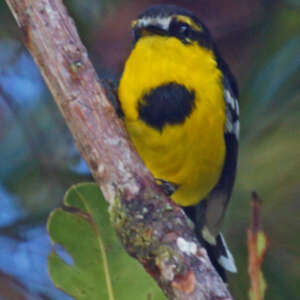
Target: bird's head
<point x="171" y="21"/>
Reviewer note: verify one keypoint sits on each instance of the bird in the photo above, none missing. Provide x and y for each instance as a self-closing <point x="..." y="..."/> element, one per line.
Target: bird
<point x="179" y="102"/>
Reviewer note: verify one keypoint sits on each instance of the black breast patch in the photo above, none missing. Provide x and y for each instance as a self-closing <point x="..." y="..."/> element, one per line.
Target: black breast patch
<point x="168" y="104"/>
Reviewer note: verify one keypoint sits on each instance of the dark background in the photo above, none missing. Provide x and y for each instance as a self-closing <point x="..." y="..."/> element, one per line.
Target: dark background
<point x="38" y="161"/>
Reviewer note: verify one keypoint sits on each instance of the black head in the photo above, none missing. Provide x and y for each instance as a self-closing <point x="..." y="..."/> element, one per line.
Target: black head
<point x="172" y="21"/>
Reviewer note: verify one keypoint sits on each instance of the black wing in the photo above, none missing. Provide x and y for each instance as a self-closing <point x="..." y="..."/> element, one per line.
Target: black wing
<point x="217" y="200"/>
<point x="209" y="214"/>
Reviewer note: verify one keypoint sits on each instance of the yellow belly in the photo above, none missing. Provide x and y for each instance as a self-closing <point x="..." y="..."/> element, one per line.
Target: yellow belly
<point x="190" y="154"/>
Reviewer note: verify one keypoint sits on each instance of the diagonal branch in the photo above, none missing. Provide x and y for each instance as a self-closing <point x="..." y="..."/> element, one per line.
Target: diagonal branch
<point x="151" y="227"/>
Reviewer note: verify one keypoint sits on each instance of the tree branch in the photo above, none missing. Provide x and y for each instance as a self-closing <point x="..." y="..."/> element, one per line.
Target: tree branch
<point x="151" y="227"/>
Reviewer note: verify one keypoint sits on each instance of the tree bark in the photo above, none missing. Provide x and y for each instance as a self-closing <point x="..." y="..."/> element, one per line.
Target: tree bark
<point x="151" y="227"/>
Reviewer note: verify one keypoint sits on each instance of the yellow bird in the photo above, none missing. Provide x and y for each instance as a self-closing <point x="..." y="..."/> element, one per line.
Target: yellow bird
<point x="179" y="103"/>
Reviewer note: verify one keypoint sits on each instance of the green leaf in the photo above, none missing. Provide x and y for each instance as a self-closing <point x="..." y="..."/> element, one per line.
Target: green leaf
<point x="262" y="289"/>
<point x="262" y="285"/>
<point x="261" y="243"/>
<point x="101" y="269"/>
<point x="251" y="295"/>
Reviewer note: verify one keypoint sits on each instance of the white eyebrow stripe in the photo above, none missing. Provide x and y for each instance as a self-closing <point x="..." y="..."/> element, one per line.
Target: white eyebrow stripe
<point x="163" y="22"/>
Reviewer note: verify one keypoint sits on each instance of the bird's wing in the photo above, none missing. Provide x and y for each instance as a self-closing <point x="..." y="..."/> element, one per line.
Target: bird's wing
<point x="208" y="215"/>
<point x="215" y="204"/>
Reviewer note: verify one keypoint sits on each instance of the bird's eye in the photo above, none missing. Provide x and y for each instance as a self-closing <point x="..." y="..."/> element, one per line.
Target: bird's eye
<point x="183" y="29"/>
<point x="180" y="30"/>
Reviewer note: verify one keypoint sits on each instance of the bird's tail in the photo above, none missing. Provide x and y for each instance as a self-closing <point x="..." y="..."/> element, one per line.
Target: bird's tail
<point x="215" y="244"/>
<point x="220" y="256"/>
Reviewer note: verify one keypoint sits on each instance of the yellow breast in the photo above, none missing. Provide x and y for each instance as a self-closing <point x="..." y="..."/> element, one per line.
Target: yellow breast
<point x="190" y="154"/>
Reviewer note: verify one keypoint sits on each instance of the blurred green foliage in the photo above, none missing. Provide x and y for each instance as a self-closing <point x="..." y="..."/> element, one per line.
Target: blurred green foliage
<point x="259" y="39"/>
<point x="270" y="154"/>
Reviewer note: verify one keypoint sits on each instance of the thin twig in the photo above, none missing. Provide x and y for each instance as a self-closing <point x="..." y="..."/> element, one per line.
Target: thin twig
<point x="257" y="247"/>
